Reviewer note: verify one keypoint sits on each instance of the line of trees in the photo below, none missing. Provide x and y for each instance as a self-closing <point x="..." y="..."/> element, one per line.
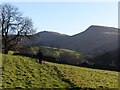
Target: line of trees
<point x="13" y="26"/>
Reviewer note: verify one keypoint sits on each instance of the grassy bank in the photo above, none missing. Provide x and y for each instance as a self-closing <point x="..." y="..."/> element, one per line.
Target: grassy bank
<point x="25" y="72"/>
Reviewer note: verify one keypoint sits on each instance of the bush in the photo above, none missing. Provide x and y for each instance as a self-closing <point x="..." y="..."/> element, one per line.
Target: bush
<point x="69" y="58"/>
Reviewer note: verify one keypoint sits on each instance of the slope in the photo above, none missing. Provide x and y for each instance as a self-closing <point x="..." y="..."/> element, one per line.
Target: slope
<point x="46" y="38"/>
<point x="24" y="72"/>
<point x="95" y="37"/>
<point x="87" y="41"/>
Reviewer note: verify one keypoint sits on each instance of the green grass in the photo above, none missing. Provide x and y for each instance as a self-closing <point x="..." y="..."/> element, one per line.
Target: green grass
<point x="25" y="72"/>
<point x="49" y="51"/>
<point x="91" y="78"/>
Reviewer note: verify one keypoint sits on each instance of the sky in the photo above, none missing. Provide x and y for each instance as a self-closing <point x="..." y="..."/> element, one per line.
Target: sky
<point x="69" y="17"/>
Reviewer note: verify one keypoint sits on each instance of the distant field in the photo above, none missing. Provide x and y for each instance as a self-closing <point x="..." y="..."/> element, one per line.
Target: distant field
<point x="60" y="55"/>
<point x="24" y="72"/>
<point x="48" y="51"/>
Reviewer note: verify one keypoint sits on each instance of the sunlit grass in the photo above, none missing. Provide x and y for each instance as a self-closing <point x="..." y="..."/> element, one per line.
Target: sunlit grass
<point x="25" y="72"/>
<point x="53" y="52"/>
<point x="91" y="78"/>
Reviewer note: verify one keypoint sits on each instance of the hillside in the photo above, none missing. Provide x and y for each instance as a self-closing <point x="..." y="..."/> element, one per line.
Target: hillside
<point x="45" y="38"/>
<point x="96" y="37"/>
<point x="25" y="72"/>
<point x="93" y="39"/>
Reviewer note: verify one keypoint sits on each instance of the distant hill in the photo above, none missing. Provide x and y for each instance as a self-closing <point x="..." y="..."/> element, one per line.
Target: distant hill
<point x="45" y="38"/>
<point x="92" y="40"/>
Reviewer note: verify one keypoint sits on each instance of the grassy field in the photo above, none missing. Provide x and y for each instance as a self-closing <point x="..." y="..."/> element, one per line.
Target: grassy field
<point x="48" y="51"/>
<point x="25" y="72"/>
<point x="91" y="78"/>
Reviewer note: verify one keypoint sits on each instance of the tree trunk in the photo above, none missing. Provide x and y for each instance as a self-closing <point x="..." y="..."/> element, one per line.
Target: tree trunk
<point x="5" y="50"/>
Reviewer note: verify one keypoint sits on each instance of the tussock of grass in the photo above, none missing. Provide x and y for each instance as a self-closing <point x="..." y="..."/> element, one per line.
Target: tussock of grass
<point x="25" y="72"/>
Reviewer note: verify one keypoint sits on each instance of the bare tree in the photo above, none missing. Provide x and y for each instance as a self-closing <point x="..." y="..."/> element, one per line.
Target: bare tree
<point x="13" y="26"/>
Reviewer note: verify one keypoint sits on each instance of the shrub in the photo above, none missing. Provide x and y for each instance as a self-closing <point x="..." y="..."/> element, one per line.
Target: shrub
<point x="69" y="58"/>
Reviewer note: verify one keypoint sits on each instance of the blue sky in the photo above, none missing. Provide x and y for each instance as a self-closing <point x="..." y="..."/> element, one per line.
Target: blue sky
<point x="69" y="17"/>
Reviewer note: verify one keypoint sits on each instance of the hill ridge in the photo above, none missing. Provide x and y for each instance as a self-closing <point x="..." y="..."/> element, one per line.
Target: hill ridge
<point x="85" y="42"/>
